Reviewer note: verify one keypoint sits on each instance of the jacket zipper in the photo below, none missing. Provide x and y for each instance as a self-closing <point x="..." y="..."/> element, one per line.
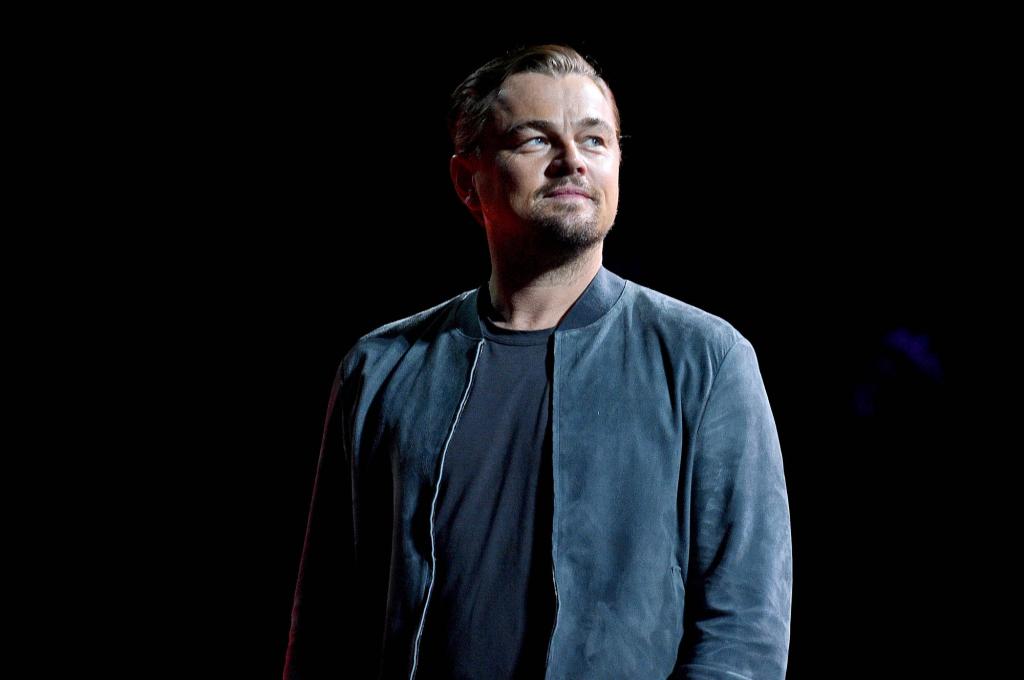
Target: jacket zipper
<point x="433" y="504"/>
<point x="554" y="622"/>
<point x="554" y="581"/>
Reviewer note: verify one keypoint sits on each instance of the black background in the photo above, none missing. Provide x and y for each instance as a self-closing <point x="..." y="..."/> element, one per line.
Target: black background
<point x="285" y="184"/>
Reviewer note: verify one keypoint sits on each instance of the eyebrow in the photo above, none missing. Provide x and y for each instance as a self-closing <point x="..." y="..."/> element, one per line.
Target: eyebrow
<point x="546" y="126"/>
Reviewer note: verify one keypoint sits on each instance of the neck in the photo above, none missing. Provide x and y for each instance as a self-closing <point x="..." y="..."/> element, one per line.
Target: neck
<point x="531" y="292"/>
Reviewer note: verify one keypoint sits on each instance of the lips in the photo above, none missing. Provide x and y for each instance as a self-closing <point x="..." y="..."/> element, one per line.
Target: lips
<point x="568" y="191"/>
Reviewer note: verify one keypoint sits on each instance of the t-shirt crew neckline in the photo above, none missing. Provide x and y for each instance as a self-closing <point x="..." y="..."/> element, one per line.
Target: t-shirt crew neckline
<point x="506" y="336"/>
<point x="583" y="311"/>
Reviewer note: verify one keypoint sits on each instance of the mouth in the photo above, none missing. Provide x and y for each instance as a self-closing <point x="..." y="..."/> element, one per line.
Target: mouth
<point x="568" y="193"/>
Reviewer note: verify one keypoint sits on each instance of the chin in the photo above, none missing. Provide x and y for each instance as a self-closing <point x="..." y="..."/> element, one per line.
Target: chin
<point x="570" y="234"/>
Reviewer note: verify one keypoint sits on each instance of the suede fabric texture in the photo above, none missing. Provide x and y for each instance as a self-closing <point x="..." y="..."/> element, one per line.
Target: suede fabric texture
<point x="671" y="536"/>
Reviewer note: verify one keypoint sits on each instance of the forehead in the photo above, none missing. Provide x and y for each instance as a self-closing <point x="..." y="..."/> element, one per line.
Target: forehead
<point x="558" y="99"/>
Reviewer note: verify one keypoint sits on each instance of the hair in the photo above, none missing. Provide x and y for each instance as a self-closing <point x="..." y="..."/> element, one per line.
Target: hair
<point x="472" y="100"/>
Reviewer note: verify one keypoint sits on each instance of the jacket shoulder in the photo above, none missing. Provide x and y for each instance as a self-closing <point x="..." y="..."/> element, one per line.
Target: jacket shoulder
<point x="392" y="339"/>
<point x="685" y="323"/>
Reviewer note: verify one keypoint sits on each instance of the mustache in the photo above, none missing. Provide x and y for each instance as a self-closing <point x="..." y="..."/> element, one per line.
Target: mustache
<point x="567" y="185"/>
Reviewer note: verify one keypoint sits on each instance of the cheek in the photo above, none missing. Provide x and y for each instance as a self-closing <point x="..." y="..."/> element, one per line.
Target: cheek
<point x="511" y="172"/>
<point x="611" y="183"/>
<point x="496" y="189"/>
<point x="514" y="186"/>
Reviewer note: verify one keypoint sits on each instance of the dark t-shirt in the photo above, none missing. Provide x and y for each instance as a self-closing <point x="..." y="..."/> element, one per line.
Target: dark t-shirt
<point x="492" y="605"/>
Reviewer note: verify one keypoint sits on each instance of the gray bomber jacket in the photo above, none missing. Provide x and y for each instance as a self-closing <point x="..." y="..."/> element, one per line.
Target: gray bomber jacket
<point x="671" y="540"/>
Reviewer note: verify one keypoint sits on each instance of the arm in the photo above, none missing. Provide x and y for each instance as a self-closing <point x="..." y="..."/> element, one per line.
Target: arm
<point x="740" y="577"/>
<point x="317" y="640"/>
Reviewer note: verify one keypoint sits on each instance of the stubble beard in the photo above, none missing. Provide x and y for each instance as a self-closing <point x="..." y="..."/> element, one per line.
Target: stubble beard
<point x="568" y="229"/>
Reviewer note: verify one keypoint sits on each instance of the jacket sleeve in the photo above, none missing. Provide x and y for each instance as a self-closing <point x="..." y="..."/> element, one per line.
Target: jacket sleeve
<point x="316" y="637"/>
<point x="740" y="576"/>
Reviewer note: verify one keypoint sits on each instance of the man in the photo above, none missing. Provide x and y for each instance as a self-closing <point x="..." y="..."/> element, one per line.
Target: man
<point x="560" y="473"/>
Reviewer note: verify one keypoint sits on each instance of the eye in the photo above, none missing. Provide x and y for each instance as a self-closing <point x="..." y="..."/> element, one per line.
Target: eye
<point x="590" y="138"/>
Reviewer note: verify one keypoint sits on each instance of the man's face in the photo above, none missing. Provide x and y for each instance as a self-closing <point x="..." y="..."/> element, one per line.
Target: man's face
<point x="547" y="136"/>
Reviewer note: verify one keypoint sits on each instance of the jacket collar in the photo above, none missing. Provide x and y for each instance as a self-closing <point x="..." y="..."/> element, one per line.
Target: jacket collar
<point x="594" y="302"/>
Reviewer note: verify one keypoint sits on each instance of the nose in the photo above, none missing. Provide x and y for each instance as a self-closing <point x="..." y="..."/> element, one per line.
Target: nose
<point x="568" y="162"/>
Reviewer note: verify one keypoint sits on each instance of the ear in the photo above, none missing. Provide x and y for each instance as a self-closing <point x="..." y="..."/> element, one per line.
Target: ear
<point x="462" y="178"/>
<point x="463" y="171"/>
